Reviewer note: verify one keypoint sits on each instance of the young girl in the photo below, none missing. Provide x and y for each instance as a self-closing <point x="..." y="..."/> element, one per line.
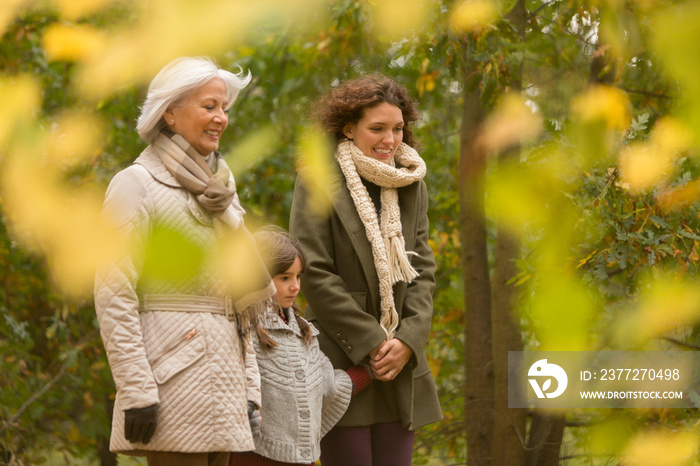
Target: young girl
<point x="302" y="395"/>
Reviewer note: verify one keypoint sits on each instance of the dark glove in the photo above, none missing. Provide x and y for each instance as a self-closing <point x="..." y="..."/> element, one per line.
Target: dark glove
<point x="254" y="416"/>
<point x="140" y="423"/>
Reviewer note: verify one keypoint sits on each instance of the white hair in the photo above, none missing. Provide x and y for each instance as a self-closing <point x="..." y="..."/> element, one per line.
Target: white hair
<point x="174" y="82"/>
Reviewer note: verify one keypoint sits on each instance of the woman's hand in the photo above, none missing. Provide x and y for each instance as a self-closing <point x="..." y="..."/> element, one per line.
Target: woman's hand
<point x="388" y="359"/>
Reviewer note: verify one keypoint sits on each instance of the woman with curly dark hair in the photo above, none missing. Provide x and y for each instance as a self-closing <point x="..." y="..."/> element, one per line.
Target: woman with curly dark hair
<point x="370" y="272"/>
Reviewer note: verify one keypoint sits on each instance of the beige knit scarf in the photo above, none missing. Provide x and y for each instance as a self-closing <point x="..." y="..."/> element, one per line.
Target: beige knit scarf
<point x="215" y="192"/>
<point x="388" y="245"/>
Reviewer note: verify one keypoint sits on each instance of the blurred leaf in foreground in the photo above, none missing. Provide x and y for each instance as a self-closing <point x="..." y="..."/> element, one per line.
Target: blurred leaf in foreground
<point x="665" y="303"/>
<point x="315" y="159"/>
<point x="662" y="448"/>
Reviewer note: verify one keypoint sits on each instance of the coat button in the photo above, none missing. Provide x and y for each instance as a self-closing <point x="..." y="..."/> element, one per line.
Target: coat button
<point x="339" y="335"/>
<point x="349" y="347"/>
<point x="345" y="342"/>
<point x="299" y="374"/>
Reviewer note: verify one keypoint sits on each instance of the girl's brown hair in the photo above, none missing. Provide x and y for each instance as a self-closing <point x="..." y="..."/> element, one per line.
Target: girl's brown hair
<point x="279" y="251"/>
<point x="346" y="104"/>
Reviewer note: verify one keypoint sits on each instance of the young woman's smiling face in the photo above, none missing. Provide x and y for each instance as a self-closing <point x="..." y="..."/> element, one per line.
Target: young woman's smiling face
<point x="201" y="117"/>
<point x="379" y="132"/>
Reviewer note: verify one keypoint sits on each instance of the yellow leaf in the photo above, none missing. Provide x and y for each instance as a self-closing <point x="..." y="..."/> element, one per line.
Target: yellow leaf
<point x="20" y="97"/>
<point x="642" y="166"/>
<point x="253" y="149"/>
<point x="661" y="448"/>
<point x="666" y="303"/>
<point x="8" y="11"/>
<point x="603" y="103"/>
<point x="562" y="313"/>
<point x="512" y="123"/>
<point x="473" y="15"/>
<point x="315" y="157"/>
<point x="607" y="437"/>
<point x="396" y="19"/>
<point x="586" y="259"/>
<point x="71" y="43"/>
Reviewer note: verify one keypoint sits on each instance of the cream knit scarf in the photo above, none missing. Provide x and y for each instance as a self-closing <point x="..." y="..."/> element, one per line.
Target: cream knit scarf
<point x="388" y="246"/>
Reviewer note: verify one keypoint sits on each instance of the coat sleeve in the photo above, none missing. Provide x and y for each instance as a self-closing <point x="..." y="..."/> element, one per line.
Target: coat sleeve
<point x="337" y="392"/>
<point x="417" y="309"/>
<point x="252" y="374"/>
<point x="116" y="302"/>
<point x="342" y="318"/>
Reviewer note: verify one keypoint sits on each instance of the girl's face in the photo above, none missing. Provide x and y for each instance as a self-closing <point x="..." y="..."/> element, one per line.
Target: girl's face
<point x="379" y="132"/>
<point x="202" y="116"/>
<point x="287" y="284"/>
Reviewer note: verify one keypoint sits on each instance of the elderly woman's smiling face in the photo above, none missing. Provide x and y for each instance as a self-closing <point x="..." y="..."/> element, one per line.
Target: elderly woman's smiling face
<point x="201" y="117"/>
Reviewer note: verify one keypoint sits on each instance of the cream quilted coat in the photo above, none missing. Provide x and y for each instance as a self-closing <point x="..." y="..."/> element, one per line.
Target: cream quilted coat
<point x="189" y="363"/>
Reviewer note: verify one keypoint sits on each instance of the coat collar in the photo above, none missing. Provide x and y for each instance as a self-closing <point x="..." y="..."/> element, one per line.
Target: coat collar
<point x="348" y="216"/>
<point x="272" y="321"/>
<point x="347" y="213"/>
<point x="154" y="165"/>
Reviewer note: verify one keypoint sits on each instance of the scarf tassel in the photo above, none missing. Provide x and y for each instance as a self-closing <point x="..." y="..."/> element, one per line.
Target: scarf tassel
<point x="400" y="268"/>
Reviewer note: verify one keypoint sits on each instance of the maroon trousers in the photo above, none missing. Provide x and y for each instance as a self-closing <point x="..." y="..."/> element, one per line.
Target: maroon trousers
<point x="387" y="444"/>
<point x="173" y="458"/>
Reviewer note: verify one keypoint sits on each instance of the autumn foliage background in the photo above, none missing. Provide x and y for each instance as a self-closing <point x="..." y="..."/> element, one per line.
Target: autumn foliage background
<point x="561" y="139"/>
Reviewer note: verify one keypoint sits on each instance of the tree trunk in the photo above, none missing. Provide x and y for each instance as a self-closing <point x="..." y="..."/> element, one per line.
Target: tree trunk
<point x="544" y="443"/>
<point x="475" y="272"/>
<point x="509" y="423"/>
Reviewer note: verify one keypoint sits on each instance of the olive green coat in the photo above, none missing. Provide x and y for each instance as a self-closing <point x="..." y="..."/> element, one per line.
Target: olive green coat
<point x="341" y="286"/>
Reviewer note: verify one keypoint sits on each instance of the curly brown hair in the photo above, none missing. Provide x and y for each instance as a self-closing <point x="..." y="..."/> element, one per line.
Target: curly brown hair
<point x="346" y="104"/>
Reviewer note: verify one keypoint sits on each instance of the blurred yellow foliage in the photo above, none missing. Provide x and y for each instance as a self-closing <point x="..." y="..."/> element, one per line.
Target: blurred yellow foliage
<point x="666" y="302"/>
<point x="396" y="19"/>
<point x="644" y="165"/>
<point x="511" y="124"/>
<point x="562" y="313"/>
<point x="237" y="260"/>
<point x="609" y="436"/>
<point x="65" y="224"/>
<point x="8" y="11"/>
<point x="168" y="29"/>
<point x="661" y="448"/>
<point x="473" y="15"/>
<point x="603" y="103"/>
<point x="72" y="141"/>
<point x="316" y="162"/>
<point x="74" y="9"/>
<point x="21" y="99"/>
<point x="72" y="43"/>
<point x="253" y="149"/>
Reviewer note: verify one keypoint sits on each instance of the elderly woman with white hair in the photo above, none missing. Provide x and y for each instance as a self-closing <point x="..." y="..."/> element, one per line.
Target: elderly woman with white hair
<point x="188" y="387"/>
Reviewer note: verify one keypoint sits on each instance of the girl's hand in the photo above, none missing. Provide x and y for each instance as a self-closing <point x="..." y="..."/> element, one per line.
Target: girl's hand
<point x="389" y="359"/>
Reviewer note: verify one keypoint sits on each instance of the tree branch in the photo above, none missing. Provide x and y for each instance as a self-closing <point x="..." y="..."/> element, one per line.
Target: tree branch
<point x="35" y="396"/>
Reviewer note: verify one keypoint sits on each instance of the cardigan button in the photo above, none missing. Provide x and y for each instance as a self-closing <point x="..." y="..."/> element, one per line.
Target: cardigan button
<point x="305" y="415"/>
<point x="299" y="374"/>
<point x="305" y="453"/>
